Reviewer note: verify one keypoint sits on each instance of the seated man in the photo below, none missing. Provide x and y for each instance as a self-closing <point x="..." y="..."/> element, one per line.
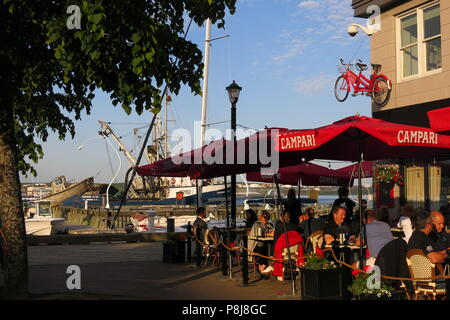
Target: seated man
<point x="337" y="226"/>
<point x="420" y="239"/>
<point x="335" y="230"/>
<point x="280" y="226"/>
<point x="440" y="237"/>
<point x="378" y="234"/>
<point x="308" y="224"/>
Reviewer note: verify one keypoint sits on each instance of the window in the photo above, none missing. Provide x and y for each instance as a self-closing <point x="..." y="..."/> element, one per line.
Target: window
<point x="420" y="42"/>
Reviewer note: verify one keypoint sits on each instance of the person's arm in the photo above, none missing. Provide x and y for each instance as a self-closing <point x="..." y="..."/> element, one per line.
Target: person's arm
<point x="437" y="257"/>
<point x="328" y="239"/>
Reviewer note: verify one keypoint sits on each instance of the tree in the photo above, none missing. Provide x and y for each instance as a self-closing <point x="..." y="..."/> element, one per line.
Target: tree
<point x="55" y="54"/>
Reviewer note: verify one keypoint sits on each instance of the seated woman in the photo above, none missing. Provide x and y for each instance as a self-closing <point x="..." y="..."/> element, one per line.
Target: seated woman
<point x="265" y="228"/>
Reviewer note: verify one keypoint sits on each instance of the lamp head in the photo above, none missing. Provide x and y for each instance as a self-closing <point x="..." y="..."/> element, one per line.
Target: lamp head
<point x="233" y="92"/>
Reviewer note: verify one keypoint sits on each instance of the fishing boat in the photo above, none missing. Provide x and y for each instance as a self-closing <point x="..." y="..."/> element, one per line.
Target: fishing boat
<point x="40" y="222"/>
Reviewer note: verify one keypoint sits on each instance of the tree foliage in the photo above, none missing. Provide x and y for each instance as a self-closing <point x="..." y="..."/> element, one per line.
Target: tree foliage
<point x="128" y="49"/>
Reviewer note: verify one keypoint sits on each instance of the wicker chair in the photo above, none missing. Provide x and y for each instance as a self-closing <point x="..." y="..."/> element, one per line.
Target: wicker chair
<point x="316" y="239"/>
<point x="420" y="267"/>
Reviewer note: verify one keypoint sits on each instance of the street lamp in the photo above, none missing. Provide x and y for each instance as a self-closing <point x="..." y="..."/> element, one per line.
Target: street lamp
<point x="233" y="94"/>
<point x="117" y="172"/>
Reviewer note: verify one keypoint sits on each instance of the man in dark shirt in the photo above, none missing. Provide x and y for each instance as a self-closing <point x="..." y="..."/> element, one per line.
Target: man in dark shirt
<point x="420" y="239"/>
<point x="440" y="237"/>
<point x="308" y="224"/>
<point x="344" y="202"/>
<point x="199" y="229"/>
<point x="337" y="226"/>
<point x="279" y="226"/>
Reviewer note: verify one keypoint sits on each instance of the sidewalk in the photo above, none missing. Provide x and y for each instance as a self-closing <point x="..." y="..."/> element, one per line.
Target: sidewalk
<point x="136" y="271"/>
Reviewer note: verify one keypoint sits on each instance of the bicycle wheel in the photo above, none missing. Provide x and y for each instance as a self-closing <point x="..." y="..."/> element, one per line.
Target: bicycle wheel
<point x="341" y="89"/>
<point x="380" y="91"/>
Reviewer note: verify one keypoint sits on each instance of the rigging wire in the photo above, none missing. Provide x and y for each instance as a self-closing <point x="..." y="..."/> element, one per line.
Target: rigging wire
<point x="357" y="49"/>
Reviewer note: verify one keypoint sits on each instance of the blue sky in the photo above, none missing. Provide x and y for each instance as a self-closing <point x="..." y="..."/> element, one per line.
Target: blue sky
<point x="284" y="53"/>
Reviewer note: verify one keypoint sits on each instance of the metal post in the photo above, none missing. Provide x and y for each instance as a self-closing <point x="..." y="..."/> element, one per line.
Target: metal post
<point x="228" y="240"/>
<point x="224" y="260"/>
<point x="189" y="243"/>
<point x="361" y="258"/>
<point x="285" y="233"/>
<point x="244" y="262"/>
<point x="196" y="194"/>
<point x="233" y="177"/>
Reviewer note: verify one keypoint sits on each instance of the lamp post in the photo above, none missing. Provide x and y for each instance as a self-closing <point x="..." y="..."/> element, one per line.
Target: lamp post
<point x="233" y="94"/>
<point x="118" y="170"/>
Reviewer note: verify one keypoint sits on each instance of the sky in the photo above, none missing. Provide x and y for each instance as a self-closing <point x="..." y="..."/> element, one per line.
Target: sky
<point x="283" y="53"/>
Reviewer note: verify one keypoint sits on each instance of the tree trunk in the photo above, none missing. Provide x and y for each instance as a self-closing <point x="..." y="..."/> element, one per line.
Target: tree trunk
<point x="12" y="223"/>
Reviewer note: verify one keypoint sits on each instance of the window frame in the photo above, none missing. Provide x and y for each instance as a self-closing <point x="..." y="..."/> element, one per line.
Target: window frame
<point x="421" y="44"/>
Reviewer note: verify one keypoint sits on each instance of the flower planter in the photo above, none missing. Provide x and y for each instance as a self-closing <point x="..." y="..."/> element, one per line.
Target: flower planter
<point x="323" y="284"/>
<point x="174" y="252"/>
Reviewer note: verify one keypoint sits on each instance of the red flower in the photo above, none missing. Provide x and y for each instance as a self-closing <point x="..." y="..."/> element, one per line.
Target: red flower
<point x="356" y="272"/>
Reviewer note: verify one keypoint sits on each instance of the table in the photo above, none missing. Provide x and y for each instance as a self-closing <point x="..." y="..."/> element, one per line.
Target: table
<point x="352" y="247"/>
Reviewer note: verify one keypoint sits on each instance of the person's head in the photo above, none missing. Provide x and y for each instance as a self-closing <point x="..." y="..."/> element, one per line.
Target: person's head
<point x="339" y="215"/>
<point x="383" y="215"/>
<point x="201" y="212"/>
<point x="309" y="212"/>
<point x="291" y="195"/>
<point x="264" y="217"/>
<point x="364" y="204"/>
<point x="250" y="216"/>
<point x="371" y="216"/>
<point x="438" y="221"/>
<point x="285" y="216"/>
<point x="423" y="221"/>
<point x="343" y="192"/>
<point x="407" y="211"/>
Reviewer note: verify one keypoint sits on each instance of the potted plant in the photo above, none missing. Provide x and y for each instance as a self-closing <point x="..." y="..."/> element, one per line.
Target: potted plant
<point x="174" y="249"/>
<point x="388" y="175"/>
<point x="361" y="290"/>
<point x="321" y="279"/>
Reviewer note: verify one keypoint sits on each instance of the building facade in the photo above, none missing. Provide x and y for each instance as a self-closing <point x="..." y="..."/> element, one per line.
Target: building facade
<point x="413" y="47"/>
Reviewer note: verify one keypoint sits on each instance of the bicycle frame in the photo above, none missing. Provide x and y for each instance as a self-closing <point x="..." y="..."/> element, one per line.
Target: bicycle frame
<point x="359" y="82"/>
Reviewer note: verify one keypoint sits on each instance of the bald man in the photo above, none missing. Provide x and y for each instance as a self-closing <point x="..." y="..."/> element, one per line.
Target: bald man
<point x="440" y="237"/>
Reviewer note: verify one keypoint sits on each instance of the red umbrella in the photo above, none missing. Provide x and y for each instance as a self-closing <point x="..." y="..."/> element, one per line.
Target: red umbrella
<point x="219" y="158"/>
<point x="310" y="174"/>
<point x="357" y="138"/>
<point x="349" y="138"/>
<point x="352" y="170"/>
<point x="440" y="119"/>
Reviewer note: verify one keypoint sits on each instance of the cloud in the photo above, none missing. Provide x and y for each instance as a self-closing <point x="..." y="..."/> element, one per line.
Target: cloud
<point x="309" y="4"/>
<point x="314" y="84"/>
<point x="294" y="48"/>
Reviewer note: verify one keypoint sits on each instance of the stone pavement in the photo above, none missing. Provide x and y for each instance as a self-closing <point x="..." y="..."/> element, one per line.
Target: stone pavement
<point x="136" y="271"/>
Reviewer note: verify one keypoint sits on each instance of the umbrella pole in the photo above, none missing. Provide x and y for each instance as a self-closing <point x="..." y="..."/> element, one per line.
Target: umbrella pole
<point x="196" y="193"/>
<point x="285" y="233"/>
<point x="361" y="258"/>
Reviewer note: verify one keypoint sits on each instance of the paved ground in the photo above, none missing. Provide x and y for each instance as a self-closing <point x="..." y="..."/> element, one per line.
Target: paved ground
<point x="136" y="270"/>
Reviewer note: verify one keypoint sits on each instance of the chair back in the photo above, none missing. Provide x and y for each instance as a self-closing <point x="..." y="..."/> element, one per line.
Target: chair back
<point x="316" y="240"/>
<point x="419" y="265"/>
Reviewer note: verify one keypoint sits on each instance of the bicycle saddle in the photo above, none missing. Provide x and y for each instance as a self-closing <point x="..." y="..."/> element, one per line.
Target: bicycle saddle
<point x="361" y="66"/>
